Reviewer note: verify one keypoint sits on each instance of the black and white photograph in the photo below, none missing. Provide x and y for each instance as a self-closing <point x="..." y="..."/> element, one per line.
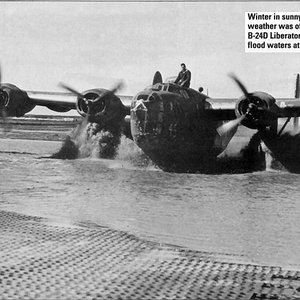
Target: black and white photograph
<point x="149" y="150"/>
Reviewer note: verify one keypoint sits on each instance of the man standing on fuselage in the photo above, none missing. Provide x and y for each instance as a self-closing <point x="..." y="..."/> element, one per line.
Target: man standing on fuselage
<point x="184" y="77"/>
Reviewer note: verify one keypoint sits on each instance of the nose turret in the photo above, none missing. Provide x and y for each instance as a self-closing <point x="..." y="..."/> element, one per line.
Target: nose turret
<point x="146" y="113"/>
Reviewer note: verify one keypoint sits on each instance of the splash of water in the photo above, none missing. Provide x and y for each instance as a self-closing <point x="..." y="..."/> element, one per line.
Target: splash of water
<point x="250" y="159"/>
<point x="129" y="151"/>
<point x="89" y="140"/>
<point x="95" y="142"/>
<point x="69" y="150"/>
<point x="285" y="149"/>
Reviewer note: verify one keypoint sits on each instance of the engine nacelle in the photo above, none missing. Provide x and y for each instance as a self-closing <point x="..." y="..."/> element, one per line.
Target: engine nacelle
<point x="104" y="107"/>
<point x="91" y="95"/>
<point x="259" y="108"/>
<point x="15" y="101"/>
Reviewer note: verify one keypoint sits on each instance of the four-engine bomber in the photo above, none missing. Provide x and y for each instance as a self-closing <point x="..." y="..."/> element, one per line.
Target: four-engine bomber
<point x="180" y="129"/>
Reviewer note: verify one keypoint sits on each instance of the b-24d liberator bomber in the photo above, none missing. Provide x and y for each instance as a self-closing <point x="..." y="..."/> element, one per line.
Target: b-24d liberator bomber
<point x="180" y="129"/>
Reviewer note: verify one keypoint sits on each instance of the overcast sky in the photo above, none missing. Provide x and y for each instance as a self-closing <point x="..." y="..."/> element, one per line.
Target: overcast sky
<point x="94" y="44"/>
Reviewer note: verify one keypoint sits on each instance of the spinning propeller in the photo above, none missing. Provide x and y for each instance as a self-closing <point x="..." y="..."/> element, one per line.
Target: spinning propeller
<point x="92" y="103"/>
<point x="70" y="89"/>
<point x="250" y="111"/>
<point x="230" y="126"/>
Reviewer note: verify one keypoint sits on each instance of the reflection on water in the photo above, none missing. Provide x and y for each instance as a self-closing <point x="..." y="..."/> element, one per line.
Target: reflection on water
<point x="253" y="216"/>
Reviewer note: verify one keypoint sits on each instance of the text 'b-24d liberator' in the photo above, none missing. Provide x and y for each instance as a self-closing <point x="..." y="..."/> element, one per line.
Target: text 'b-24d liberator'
<point x="180" y="129"/>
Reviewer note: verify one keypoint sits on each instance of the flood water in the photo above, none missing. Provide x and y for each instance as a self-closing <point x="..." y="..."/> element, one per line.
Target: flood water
<point x="251" y="217"/>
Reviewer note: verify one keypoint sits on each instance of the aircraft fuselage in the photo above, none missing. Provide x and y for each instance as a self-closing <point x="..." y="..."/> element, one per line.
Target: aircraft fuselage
<point x="171" y="125"/>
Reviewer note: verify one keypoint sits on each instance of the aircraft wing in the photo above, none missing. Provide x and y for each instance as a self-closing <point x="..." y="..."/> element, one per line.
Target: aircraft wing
<point x="50" y="99"/>
<point x="222" y="103"/>
<point x="224" y="108"/>
<point x="126" y="100"/>
<point x="65" y="100"/>
<point x="15" y="102"/>
<point x="221" y="114"/>
<point x="289" y="107"/>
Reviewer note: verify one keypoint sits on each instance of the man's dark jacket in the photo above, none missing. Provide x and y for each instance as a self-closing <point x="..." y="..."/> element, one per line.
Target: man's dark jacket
<point x="184" y="78"/>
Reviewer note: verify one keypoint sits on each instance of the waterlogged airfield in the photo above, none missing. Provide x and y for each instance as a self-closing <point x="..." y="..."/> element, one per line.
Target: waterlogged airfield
<point x="125" y="229"/>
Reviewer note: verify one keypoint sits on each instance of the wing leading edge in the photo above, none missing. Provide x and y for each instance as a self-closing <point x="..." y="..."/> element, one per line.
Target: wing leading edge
<point x="57" y="99"/>
<point x="62" y="101"/>
<point x="225" y="108"/>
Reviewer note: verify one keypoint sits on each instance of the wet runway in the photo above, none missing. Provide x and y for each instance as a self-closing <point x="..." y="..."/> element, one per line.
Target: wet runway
<point x="44" y="260"/>
<point x="94" y="228"/>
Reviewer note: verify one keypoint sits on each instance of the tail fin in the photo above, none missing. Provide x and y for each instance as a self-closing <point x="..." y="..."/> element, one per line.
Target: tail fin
<point x="297" y="89"/>
<point x="157" y="78"/>
<point x="297" y="95"/>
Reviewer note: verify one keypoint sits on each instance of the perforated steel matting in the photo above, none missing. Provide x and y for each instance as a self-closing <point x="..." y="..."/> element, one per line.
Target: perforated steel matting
<point x="42" y="260"/>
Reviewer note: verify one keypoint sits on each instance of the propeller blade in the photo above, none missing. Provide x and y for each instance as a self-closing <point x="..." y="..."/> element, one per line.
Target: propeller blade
<point x="241" y="85"/>
<point x="231" y="125"/>
<point x="116" y="88"/>
<point x="70" y="89"/>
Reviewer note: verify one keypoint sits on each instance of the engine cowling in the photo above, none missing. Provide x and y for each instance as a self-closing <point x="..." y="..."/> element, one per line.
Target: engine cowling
<point x="91" y="95"/>
<point x="15" y="101"/>
<point x="101" y="106"/>
<point x="259" y="109"/>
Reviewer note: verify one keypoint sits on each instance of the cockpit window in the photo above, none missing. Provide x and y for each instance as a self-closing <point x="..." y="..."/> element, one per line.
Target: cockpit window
<point x="157" y="87"/>
<point x="144" y="97"/>
<point x="172" y="88"/>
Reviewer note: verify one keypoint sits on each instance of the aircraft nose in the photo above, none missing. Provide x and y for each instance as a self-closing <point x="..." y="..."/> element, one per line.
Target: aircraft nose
<point x="139" y="112"/>
<point x="142" y="102"/>
<point x="140" y="106"/>
<point x="146" y="113"/>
